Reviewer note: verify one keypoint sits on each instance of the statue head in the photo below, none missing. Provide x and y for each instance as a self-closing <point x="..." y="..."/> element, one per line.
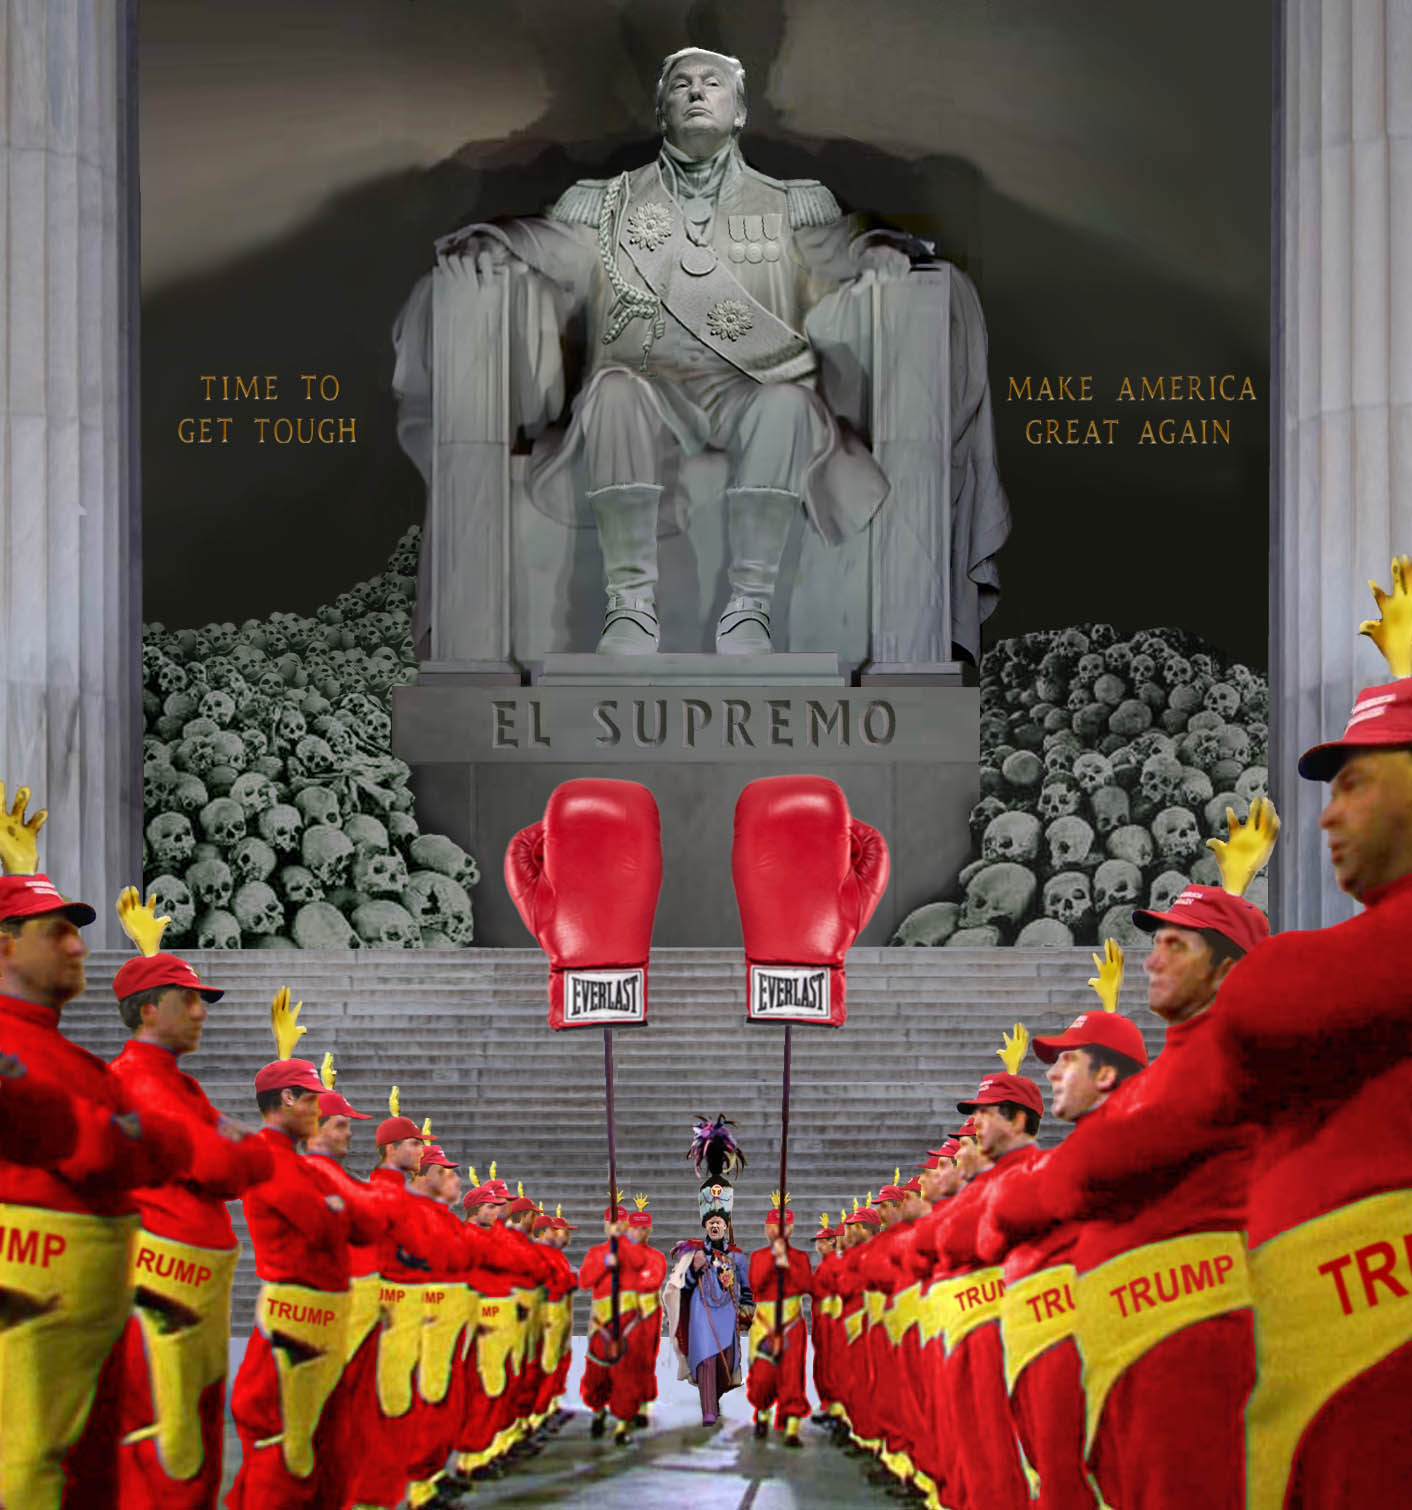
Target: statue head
<point x="700" y="100"/>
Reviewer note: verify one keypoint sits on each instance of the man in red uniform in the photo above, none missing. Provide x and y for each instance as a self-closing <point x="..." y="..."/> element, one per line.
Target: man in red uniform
<point x="608" y="1382"/>
<point x="1316" y="1026"/>
<point x="1089" y="1060"/>
<point x="552" y="1232"/>
<point x="822" y="1299"/>
<point x="70" y="1220"/>
<point x="177" y="1339"/>
<point x="645" y="1339"/>
<point x="285" y="1401"/>
<point x="778" y="1341"/>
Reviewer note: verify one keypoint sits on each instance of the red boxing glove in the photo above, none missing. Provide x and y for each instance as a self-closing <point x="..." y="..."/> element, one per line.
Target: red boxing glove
<point x="807" y="878"/>
<point x="585" y="881"/>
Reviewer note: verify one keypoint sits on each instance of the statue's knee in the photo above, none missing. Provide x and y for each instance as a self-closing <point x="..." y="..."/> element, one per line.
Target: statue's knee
<point x="617" y="393"/>
<point x="781" y="407"/>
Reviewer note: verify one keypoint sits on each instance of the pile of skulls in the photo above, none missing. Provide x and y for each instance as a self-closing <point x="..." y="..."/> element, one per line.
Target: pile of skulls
<point x="274" y="814"/>
<point x="1106" y="764"/>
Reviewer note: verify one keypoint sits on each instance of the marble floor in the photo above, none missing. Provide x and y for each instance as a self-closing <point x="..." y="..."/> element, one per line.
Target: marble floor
<point x="675" y="1463"/>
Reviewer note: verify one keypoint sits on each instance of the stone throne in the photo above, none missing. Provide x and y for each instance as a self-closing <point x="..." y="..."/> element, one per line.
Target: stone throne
<point x="504" y="590"/>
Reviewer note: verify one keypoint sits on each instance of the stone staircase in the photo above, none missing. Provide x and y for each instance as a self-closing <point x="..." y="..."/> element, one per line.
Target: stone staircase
<point x="464" y="1034"/>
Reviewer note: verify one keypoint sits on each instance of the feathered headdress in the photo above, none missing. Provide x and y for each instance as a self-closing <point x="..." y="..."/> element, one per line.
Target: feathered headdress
<point x="714" y="1145"/>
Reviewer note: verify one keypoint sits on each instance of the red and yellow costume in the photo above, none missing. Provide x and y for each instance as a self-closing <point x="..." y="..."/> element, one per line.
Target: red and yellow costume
<point x="609" y="1380"/>
<point x="777" y="1362"/>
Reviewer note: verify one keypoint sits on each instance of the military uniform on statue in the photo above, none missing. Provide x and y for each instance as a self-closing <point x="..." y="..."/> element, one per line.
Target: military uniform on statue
<point x="708" y="1294"/>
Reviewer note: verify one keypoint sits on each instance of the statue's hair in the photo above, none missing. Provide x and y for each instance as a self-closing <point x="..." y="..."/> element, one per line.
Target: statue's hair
<point x="734" y="69"/>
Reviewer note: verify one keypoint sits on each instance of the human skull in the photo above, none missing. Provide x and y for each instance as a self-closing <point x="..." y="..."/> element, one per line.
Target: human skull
<point x="1092" y="770"/>
<point x="314" y="756"/>
<point x="1119" y="658"/>
<point x="317" y="925"/>
<point x="1195" y="787"/>
<point x="252" y="860"/>
<point x="300" y="885"/>
<point x="447" y="858"/>
<point x="317" y="804"/>
<point x="1070" y="841"/>
<point x="189" y="794"/>
<point x="1111" y="809"/>
<point x="257" y="909"/>
<point x="171" y="839"/>
<point x="257" y="742"/>
<point x="210" y="883"/>
<point x="290" y="726"/>
<point x="280" y="827"/>
<point x="1010" y="836"/>
<point x="402" y="828"/>
<point x="998" y="895"/>
<point x="366" y="833"/>
<point x="1060" y="798"/>
<point x="1117" y="923"/>
<point x="218" y="706"/>
<point x="983" y="814"/>
<point x="1131" y="843"/>
<point x="1255" y="705"/>
<point x="1165" y="890"/>
<point x="1130" y="718"/>
<point x="1185" y="699"/>
<point x="1089" y="668"/>
<point x="173" y="901"/>
<point x="1160" y="780"/>
<point x="1215" y="812"/>
<point x="928" y="926"/>
<point x="327" y="852"/>
<point x="1223" y="698"/>
<point x="223" y="822"/>
<point x="172" y="677"/>
<point x="974" y="938"/>
<point x="1177" y="836"/>
<point x="1068" y="898"/>
<point x="1110" y="690"/>
<point x="1115" y="883"/>
<point x="336" y="735"/>
<point x="1023" y="770"/>
<point x="219" y="780"/>
<point x="1091" y="720"/>
<point x="436" y="901"/>
<point x="196" y="753"/>
<point x="1044" y="933"/>
<point x="1071" y="644"/>
<point x="379" y="873"/>
<point x="1204" y="720"/>
<point x="1061" y="752"/>
<point x="254" y="793"/>
<point x="1253" y="782"/>
<point x="386" y="925"/>
<point x="217" y="929"/>
<point x="1206" y="871"/>
<point x="1235" y="744"/>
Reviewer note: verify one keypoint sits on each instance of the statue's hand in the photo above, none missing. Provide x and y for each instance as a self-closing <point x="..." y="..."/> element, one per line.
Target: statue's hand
<point x="883" y="264"/>
<point x="471" y="255"/>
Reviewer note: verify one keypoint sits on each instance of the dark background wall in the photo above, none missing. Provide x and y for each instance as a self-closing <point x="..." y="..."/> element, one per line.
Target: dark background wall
<point x="1100" y="171"/>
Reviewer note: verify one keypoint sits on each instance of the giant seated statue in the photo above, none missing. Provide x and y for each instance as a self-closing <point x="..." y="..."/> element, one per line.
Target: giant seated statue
<point x="781" y="437"/>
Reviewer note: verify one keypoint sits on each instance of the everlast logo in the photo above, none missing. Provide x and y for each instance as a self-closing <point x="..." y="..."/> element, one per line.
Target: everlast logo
<point x="592" y="996"/>
<point x="169" y="1266"/>
<point x="20" y="1245"/>
<point x="798" y="992"/>
<point x="1180" y="1279"/>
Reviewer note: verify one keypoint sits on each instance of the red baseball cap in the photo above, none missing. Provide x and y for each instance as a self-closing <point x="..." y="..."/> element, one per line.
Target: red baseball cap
<point x="865" y="1214"/>
<point x="568" y="1226"/>
<point x="394" y="1129"/>
<point x="994" y="1089"/>
<point x="543" y="1223"/>
<point x="639" y="1218"/>
<point x="331" y="1104"/>
<point x="914" y="1185"/>
<point x="1381" y="719"/>
<point x="519" y="1204"/>
<point x="966" y="1130"/>
<point x="432" y="1154"/>
<point x="890" y="1193"/>
<point x="773" y="1215"/>
<point x="33" y="896"/>
<point x="950" y="1148"/>
<point x="289" y="1074"/>
<point x="492" y="1193"/>
<point x="621" y="1216"/>
<point x="148" y="974"/>
<point x="1232" y="917"/>
<point x="1100" y="1029"/>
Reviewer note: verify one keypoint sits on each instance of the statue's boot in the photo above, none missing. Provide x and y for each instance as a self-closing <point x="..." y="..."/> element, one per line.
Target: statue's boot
<point x="757" y="529"/>
<point x="627" y="535"/>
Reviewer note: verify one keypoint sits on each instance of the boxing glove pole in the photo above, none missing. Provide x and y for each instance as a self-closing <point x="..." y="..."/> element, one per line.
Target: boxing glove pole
<point x="784" y="1171"/>
<point x="612" y="1185"/>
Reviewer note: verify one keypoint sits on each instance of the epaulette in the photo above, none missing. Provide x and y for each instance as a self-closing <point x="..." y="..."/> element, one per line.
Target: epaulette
<point x="581" y="203"/>
<point x="810" y="203"/>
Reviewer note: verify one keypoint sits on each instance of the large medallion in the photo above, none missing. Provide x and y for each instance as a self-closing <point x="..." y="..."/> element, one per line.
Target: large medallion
<point x="698" y="261"/>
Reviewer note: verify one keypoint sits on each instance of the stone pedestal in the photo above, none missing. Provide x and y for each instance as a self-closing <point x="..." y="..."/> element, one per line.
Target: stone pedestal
<point x="70" y="539"/>
<point x="486" y="758"/>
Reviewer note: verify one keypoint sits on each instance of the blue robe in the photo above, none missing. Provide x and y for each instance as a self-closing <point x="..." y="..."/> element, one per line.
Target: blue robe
<point x="710" y="1313"/>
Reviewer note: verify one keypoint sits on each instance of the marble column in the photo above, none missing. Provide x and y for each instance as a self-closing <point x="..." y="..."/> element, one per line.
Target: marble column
<point x="70" y="542"/>
<point x="1342" y="374"/>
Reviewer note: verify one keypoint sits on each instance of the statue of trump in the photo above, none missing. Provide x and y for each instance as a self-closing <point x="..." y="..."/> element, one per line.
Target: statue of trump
<point x="697" y="277"/>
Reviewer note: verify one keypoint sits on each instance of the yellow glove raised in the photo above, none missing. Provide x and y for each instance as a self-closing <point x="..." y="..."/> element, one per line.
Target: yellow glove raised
<point x="19" y="840"/>
<point x="1109" y="980"/>
<point x="140" y="922"/>
<point x="1391" y="631"/>
<point x="1013" y="1054"/>
<point x="284" y="1022"/>
<point x="1243" y="854"/>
